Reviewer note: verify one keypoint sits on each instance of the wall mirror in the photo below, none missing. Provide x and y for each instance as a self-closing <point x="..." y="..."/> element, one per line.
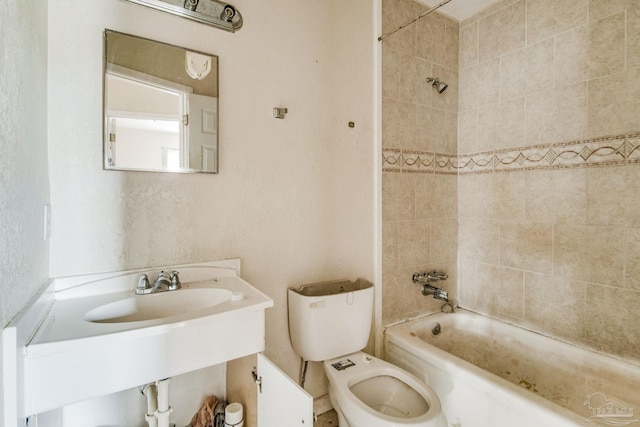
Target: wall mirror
<point x="160" y="106"/>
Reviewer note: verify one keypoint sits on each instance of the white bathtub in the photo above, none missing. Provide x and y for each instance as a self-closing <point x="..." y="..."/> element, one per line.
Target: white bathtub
<point x="491" y="374"/>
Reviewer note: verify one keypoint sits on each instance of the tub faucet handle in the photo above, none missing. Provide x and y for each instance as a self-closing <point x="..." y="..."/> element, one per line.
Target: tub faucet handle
<point x="436" y="275"/>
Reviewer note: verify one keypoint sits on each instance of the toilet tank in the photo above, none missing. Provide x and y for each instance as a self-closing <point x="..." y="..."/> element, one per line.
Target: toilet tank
<point x="330" y="319"/>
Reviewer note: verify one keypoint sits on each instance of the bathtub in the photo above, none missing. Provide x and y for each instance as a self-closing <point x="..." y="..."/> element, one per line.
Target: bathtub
<point x="492" y="374"/>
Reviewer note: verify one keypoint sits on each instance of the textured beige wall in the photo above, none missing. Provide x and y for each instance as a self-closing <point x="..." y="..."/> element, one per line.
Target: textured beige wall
<point x="419" y="207"/>
<point x="294" y="198"/>
<point x="24" y="186"/>
<point x="549" y="89"/>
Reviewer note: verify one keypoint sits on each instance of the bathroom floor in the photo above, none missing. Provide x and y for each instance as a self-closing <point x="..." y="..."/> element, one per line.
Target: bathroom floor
<point x="328" y="419"/>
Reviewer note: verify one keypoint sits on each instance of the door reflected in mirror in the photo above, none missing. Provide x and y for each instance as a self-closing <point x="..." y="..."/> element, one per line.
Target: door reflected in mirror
<point x="160" y="106"/>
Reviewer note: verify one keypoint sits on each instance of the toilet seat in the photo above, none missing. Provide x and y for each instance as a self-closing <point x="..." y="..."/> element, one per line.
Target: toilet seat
<point x="347" y="371"/>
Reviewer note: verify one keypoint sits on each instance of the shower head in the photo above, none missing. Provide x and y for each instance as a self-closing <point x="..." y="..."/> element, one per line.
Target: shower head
<point x="435" y="82"/>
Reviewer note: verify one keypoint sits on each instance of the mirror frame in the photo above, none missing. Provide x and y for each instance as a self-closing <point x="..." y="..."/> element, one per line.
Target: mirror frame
<point x="105" y="125"/>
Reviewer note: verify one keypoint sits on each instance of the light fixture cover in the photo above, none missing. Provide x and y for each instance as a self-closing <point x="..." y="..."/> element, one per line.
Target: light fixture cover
<point x="197" y="65"/>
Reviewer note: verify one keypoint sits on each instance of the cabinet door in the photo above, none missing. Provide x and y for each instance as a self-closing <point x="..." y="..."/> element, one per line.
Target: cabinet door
<point x="281" y="401"/>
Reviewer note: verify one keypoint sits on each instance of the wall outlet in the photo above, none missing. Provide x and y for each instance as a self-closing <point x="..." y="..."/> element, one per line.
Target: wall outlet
<point x="47" y="222"/>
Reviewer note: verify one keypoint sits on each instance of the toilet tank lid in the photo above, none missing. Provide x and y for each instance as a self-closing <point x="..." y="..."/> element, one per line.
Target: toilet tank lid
<point x="332" y="288"/>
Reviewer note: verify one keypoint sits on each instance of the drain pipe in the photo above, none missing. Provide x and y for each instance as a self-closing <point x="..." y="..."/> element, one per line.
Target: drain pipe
<point x="164" y="410"/>
<point x="152" y="404"/>
<point x="303" y="369"/>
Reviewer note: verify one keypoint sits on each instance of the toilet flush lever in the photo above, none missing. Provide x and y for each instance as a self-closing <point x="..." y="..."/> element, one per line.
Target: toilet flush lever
<point x="257" y="379"/>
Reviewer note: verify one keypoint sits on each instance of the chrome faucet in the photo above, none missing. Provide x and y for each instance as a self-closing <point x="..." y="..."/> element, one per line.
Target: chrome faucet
<point x="429" y="277"/>
<point x="164" y="282"/>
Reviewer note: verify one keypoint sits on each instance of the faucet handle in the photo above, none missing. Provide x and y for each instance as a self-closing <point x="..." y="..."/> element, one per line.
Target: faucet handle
<point x="175" y="280"/>
<point x="144" y="287"/>
<point x="437" y="275"/>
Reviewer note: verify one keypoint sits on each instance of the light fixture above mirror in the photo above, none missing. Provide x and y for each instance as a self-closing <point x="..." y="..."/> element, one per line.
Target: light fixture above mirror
<point x="210" y="12"/>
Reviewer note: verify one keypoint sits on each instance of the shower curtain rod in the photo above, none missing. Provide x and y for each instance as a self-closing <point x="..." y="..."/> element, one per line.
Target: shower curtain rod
<point x="433" y="9"/>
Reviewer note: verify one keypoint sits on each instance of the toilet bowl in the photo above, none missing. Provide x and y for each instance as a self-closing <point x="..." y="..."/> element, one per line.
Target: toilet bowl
<point x="368" y="392"/>
<point x="331" y="322"/>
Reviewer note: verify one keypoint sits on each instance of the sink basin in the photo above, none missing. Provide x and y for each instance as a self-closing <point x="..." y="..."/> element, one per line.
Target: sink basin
<point x="157" y="306"/>
<point x="95" y="336"/>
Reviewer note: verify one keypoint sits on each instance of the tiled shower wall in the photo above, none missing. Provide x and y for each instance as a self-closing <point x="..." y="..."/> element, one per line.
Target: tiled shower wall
<point x="549" y="184"/>
<point x="419" y="207"/>
<point x="537" y="200"/>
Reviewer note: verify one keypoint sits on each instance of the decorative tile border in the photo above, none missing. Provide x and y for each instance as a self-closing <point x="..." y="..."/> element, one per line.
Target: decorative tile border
<point x="602" y="151"/>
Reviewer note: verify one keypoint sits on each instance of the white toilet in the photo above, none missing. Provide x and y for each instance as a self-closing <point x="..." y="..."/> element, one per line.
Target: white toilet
<point x="330" y="322"/>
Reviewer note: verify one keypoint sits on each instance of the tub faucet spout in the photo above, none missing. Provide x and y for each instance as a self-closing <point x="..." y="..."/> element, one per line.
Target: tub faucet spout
<point x="438" y="293"/>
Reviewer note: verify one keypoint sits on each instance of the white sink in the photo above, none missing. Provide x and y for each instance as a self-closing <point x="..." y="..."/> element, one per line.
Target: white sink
<point x="158" y="305"/>
<point x="99" y="337"/>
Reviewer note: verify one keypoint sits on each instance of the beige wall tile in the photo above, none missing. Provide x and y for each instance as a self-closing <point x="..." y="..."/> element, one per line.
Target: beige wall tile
<point x="488" y="206"/>
<point x="391" y="73"/>
<point x="501" y="125"/>
<point x="511" y="127"/>
<point x="430" y="39"/>
<point x="632" y="259"/>
<point x="430" y="126"/>
<point x="452" y="47"/>
<point x="398" y="197"/>
<point x="398" y="124"/>
<point x="633" y="35"/>
<point x="556" y="196"/>
<point x="510" y="195"/>
<point x="444" y="243"/>
<point x="589" y="253"/>
<point x="468" y="195"/>
<point x="396" y="13"/>
<point x="451" y="197"/>
<point x="500" y="291"/>
<point x="501" y="196"/>
<point x="613" y="103"/>
<point x="450" y="128"/>
<point x="488" y="123"/>
<point x="389" y="246"/>
<point x="502" y="31"/>
<point x="468" y="131"/>
<point x="513" y="24"/>
<point x="555" y="305"/>
<point x="448" y="100"/>
<point x="430" y="193"/>
<point x="527" y="246"/>
<point x="413" y="242"/>
<point x="479" y="240"/>
<point x="469" y="84"/>
<point x="546" y="18"/>
<point x="599" y="9"/>
<point x="469" y="45"/>
<point x="591" y="51"/>
<point x="467" y="283"/>
<point x="613" y="320"/>
<point x="488" y="90"/>
<point x="489" y="38"/>
<point x="413" y="75"/>
<point x="513" y="75"/>
<point x="607" y="46"/>
<point x="570" y="109"/>
<point x="572" y="56"/>
<point x="557" y="115"/>
<point x="612" y="196"/>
